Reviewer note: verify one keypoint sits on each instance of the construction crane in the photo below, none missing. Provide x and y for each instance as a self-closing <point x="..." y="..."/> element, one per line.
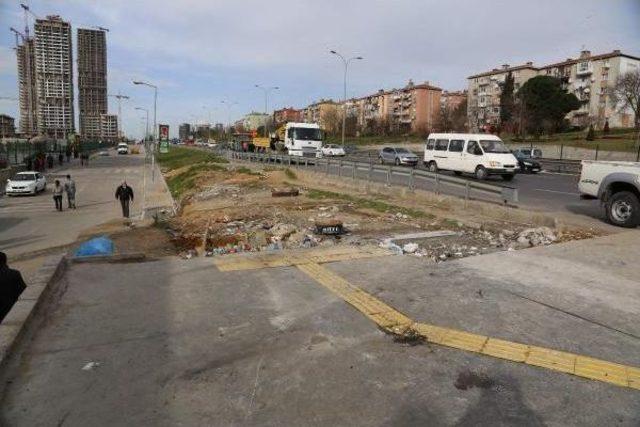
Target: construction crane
<point x="27" y="12"/>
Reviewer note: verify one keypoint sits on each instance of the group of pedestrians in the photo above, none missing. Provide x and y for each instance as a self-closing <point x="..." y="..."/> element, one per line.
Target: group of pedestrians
<point x="69" y="188"/>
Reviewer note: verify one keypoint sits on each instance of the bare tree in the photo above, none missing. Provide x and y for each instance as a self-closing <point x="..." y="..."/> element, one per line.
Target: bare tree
<point x="331" y="120"/>
<point x="625" y="95"/>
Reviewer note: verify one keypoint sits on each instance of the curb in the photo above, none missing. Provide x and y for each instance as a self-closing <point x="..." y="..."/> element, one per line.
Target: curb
<point x="111" y="259"/>
<point x="23" y="317"/>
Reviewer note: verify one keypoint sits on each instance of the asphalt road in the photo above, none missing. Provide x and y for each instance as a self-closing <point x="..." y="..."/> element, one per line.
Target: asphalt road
<point x="31" y="223"/>
<point x="546" y="191"/>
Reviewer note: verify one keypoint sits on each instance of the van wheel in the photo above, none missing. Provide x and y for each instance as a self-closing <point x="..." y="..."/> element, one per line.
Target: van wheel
<point x="433" y="167"/>
<point x="623" y="209"/>
<point x="457" y="173"/>
<point x="481" y="173"/>
<point x="508" y="177"/>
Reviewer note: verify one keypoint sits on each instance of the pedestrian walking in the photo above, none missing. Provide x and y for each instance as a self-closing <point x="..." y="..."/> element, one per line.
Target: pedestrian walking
<point x="57" y="195"/>
<point x="28" y="163"/>
<point x="49" y="161"/>
<point x="60" y="158"/>
<point x="124" y="193"/>
<point x="11" y="286"/>
<point x="68" y="154"/>
<point x="70" y="189"/>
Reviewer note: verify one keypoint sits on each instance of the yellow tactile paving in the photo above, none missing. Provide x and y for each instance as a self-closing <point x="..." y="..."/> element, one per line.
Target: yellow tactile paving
<point x="388" y="318"/>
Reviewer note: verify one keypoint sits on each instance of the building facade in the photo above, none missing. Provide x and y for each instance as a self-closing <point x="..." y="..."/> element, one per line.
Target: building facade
<point x="184" y="131"/>
<point x="7" y="126"/>
<point x="54" y="77"/>
<point x="253" y="121"/>
<point x="588" y="77"/>
<point x="453" y="99"/>
<point x="25" y="55"/>
<point x="109" y="127"/>
<point x="92" y="81"/>
<point x="285" y="115"/>
<point x="320" y="112"/>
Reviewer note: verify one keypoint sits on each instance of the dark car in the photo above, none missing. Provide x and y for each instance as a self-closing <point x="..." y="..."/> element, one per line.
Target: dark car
<point x="527" y="163"/>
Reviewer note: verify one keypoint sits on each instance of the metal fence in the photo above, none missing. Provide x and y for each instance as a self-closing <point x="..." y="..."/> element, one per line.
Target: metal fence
<point x="410" y="178"/>
<point x="16" y="151"/>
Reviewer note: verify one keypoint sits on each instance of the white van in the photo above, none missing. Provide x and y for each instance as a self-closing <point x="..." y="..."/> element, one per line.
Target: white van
<point x="480" y="154"/>
<point x="123" y="148"/>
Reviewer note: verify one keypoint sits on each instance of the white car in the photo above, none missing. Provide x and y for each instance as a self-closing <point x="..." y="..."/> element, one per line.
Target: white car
<point x="333" y="150"/>
<point x="211" y="144"/>
<point x="479" y="154"/>
<point x="123" y="148"/>
<point x="26" y="183"/>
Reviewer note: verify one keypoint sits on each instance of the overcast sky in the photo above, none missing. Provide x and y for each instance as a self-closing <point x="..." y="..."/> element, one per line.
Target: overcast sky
<point x="200" y="52"/>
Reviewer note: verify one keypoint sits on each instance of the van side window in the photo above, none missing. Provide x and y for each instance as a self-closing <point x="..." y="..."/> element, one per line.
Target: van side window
<point x="456" y="145"/>
<point x="290" y="133"/>
<point x="474" y="148"/>
<point x="441" y="144"/>
<point x="430" y="144"/>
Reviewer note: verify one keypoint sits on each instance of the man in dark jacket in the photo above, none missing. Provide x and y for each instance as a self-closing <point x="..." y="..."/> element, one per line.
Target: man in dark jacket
<point x="11" y="286"/>
<point x="124" y="193"/>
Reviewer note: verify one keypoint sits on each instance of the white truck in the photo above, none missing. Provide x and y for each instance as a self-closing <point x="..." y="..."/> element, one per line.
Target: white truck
<point x="302" y="139"/>
<point x="617" y="186"/>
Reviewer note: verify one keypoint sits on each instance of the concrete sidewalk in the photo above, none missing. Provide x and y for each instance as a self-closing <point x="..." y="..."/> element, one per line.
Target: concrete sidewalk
<point x="179" y="342"/>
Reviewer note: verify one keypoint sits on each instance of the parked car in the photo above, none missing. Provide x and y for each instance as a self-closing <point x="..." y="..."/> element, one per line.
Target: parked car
<point x="479" y="154"/>
<point x="527" y="163"/>
<point x="398" y="156"/>
<point x="26" y="183"/>
<point x="534" y="153"/>
<point x="123" y="148"/>
<point x="333" y="150"/>
<point x="617" y="186"/>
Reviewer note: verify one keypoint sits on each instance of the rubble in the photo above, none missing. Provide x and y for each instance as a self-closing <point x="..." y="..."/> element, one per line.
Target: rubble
<point x="536" y="237"/>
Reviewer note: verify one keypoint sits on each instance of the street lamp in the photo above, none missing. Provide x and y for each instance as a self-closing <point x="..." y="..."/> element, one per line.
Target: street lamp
<point x="155" y="125"/>
<point x="344" y="98"/>
<point x="146" y="134"/>
<point x="228" y="104"/>
<point x="266" y="90"/>
<point x="155" y="106"/>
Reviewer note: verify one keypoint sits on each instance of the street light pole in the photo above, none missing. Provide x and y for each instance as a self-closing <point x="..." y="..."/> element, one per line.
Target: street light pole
<point x="266" y="91"/>
<point x="344" y="97"/>
<point x="146" y="134"/>
<point x="155" y="125"/>
<point x="120" y="97"/>
<point x="228" y="105"/>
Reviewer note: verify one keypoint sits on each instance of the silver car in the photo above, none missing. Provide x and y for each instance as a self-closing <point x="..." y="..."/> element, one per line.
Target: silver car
<point x="397" y="156"/>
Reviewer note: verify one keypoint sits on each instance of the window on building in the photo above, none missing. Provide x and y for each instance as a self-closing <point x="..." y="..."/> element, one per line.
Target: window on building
<point x="441" y="144"/>
<point x="496" y="110"/>
<point x="583" y="66"/>
<point x="456" y="145"/>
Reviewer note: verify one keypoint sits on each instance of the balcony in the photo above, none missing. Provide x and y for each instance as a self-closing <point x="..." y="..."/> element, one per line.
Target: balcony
<point x="584" y="68"/>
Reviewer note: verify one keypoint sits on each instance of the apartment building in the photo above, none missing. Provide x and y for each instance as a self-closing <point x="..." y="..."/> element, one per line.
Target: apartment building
<point x="109" y="127"/>
<point x="484" y="89"/>
<point x="54" y="77"/>
<point x="253" y="121"/>
<point x="92" y="81"/>
<point x="184" y="131"/>
<point x="288" y="114"/>
<point x="452" y="99"/>
<point x="25" y="55"/>
<point x="7" y="126"/>
<point x="319" y="111"/>
<point x="588" y="77"/>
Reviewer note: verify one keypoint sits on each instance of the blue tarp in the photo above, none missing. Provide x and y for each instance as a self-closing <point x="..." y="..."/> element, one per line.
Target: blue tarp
<point x="98" y="246"/>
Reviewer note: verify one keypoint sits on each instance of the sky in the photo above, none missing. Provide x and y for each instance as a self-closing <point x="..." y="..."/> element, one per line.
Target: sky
<point x="202" y="52"/>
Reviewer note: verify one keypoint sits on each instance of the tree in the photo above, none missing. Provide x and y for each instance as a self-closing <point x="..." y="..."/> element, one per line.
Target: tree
<point x="444" y="122"/>
<point x="507" y="101"/>
<point x="625" y="94"/>
<point x="545" y="104"/>
<point x="459" y="117"/>
<point x="331" y="121"/>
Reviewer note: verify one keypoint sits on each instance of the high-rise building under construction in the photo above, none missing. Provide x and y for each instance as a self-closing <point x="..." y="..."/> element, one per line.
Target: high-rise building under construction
<point x="92" y="81"/>
<point x="27" y="87"/>
<point x="54" y="77"/>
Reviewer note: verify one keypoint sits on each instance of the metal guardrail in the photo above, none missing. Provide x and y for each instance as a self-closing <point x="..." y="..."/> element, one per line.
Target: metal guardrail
<point x="411" y="176"/>
<point x="564" y="166"/>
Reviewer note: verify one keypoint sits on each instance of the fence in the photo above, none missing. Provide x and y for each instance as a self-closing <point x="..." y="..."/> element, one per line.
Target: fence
<point x="410" y="178"/>
<point x="15" y="151"/>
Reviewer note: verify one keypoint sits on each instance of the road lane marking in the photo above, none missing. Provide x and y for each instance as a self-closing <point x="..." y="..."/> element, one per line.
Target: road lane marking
<point x="395" y="322"/>
<point x="556" y="191"/>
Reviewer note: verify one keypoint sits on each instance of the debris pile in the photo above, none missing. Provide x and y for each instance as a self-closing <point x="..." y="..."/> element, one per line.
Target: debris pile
<point x="536" y="237"/>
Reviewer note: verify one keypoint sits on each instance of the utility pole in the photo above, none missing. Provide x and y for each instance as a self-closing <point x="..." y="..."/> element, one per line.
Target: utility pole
<point x="229" y="104"/>
<point x="119" y="97"/>
<point x="266" y="91"/>
<point x="344" y="97"/>
<point x="146" y="134"/>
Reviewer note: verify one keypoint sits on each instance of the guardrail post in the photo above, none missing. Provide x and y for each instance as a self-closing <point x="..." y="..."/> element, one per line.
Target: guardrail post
<point x="326" y="169"/>
<point x="353" y="175"/>
<point x="389" y="175"/>
<point x="638" y="154"/>
<point x="411" y="179"/>
<point x="467" y="190"/>
<point x="370" y="172"/>
<point x="340" y="167"/>
<point x="437" y="187"/>
<point x="597" y="147"/>
<point x="561" y="150"/>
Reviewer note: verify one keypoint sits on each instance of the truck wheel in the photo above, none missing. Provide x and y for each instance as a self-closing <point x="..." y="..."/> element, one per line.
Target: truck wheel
<point x="623" y="209"/>
<point x="433" y="167"/>
<point x="481" y="173"/>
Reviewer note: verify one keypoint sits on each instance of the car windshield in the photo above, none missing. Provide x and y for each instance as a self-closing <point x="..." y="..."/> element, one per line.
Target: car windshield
<point x="402" y="151"/>
<point x="490" y="146"/>
<point x="24" y="177"/>
<point x="308" y="134"/>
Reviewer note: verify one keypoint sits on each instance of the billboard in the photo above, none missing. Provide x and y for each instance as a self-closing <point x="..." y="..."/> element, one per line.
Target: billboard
<point x="163" y="132"/>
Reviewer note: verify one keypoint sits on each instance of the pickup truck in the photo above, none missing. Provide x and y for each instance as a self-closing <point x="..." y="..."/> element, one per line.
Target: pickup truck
<point x="617" y="186"/>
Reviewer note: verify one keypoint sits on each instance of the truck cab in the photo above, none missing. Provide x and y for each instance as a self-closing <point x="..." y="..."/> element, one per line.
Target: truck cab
<point x="303" y="139"/>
